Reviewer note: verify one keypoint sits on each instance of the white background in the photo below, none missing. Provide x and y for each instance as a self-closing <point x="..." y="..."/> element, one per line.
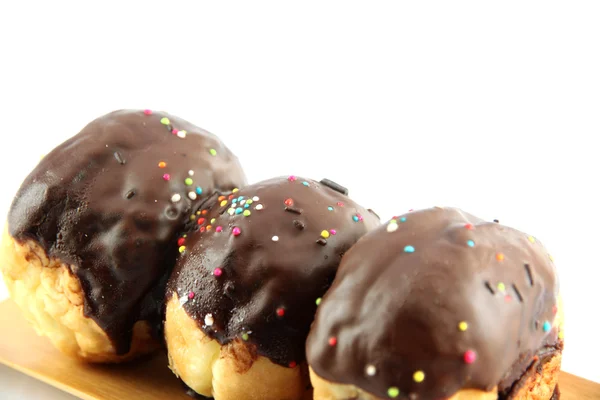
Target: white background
<point x="491" y="108"/>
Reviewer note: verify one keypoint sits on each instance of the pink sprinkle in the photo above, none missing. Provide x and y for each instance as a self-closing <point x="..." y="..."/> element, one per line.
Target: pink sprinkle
<point x="167" y="177"/>
<point x="292" y="178"/>
<point x="360" y="217"/>
<point x="411" y="210"/>
<point x="174" y="131"/>
<point x="470" y="356"/>
<point x="339" y="203"/>
<point x="191" y="295"/>
<point x="332" y="231"/>
<point x="217" y="272"/>
<point x="236" y="231"/>
<point x="219" y="229"/>
<point x="148" y="112"/>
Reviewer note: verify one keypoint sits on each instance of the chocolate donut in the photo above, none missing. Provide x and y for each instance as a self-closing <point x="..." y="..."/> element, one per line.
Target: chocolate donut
<point x="243" y="294"/>
<point x="439" y="304"/>
<point x="90" y="233"/>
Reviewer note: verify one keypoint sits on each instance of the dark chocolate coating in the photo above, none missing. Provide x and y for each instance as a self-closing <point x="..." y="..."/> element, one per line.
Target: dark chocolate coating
<point x="398" y="308"/>
<point x="100" y="203"/>
<point x="267" y="289"/>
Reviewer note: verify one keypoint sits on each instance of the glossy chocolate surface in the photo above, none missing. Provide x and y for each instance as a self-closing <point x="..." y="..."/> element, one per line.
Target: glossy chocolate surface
<point x="110" y="201"/>
<point x="261" y="259"/>
<point x="436" y="301"/>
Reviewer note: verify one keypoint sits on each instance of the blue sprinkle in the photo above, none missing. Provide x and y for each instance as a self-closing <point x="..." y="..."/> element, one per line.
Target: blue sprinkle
<point x="305" y="183"/>
<point x="198" y="190"/>
<point x="470" y="243"/>
<point x="240" y="198"/>
<point x="234" y="201"/>
<point x="403" y="219"/>
<point x="246" y="205"/>
<point x="547" y="326"/>
<point x="330" y="208"/>
<point x="238" y="210"/>
<point x="409" y="249"/>
<point x="355" y="218"/>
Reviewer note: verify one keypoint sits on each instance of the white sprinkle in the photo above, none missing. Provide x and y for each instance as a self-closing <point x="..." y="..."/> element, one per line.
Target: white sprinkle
<point x="209" y="320"/>
<point x="183" y="300"/>
<point x="242" y="202"/>
<point x="231" y="211"/>
<point x="191" y="173"/>
<point x="192" y="195"/>
<point x="181" y="134"/>
<point x="255" y="198"/>
<point x="176" y="197"/>
<point x="392" y="226"/>
<point x="370" y="370"/>
<point x="258" y="207"/>
<point x="275" y="238"/>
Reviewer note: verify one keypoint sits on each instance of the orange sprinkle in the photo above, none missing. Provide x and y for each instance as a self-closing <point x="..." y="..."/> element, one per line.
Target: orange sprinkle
<point x="221" y="198"/>
<point x="204" y="212"/>
<point x="162" y="164"/>
<point x="208" y="227"/>
<point x="499" y="256"/>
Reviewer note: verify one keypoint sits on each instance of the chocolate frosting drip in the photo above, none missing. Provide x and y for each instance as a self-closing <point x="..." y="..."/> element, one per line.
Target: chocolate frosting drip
<point x="435" y="301"/>
<point x="102" y="203"/>
<point x="261" y="259"/>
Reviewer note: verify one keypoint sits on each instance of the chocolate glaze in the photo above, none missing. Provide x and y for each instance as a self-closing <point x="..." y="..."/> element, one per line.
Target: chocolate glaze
<point x="399" y="310"/>
<point x="100" y="203"/>
<point x="267" y="287"/>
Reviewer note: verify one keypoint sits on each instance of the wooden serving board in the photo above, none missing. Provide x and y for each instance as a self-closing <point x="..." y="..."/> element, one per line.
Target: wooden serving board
<point x="150" y="379"/>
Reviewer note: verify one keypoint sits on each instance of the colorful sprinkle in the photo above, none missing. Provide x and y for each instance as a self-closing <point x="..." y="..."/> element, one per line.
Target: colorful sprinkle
<point x="239" y="210"/>
<point x="165" y="121"/>
<point x="209" y="320"/>
<point x="469" y="226"/>
<point x="409" y="249"/>
<point x="324" y="234"/>
<point x="332" y="341"/>
<point x="318" y="301"/>
<point x="470" y="243"/>
<point x="223" y="203"/>
<point x="191" y="173"/>
<point x="330" y="208"/>
<point x="218" y="272"/>
<point x="355" y="218"/>
<point x="393" y="392"/>
<point x="213" y="152"/>
<point x="259" y="207"/>
<point x="370" y="370"/>
<point x="192" y="195"/>
<point x="148" y="112"/>
<point x="191" y="295"/>
<point x="162" y="164"/>
<point x="198" y="190"/>
<point x="235" y="190"/>
<point x="246" y="213"/>
<point x="219" y="229"/>
<point x="275" y="238"/>
<point x="547" y="326"/>
<point x="340" y="204"/>
<point x="182" y="134"/>
<point x="231" y="211"/>
<point x="181" y="249"/>
<point x="499" y="256"/>
<point x="180" y="242"/>
<point x="176" y="197"/>
<point x="245" y="337"/>
<point x="419" y="376"/>
<point x="189" y="181"/>
<point x="392" y="226"/>
<point x="333" y="231"/>
<point x="167" y="177"/>
<point x="236" y="231"/>
<point x="292" y="364"/>
<point x="403" y="219"/>
<point x="305" y="183"/>
<point x="292" y="178"/>
<point x="255" y="198"/>
<point x="469" y="356"/>
<point x="174" y="131"/>
<point x="531" y="239"/>
<point x="463" y="326"/>
<point x="280" y="312"/>
<point x="501" y="287"/>
<point x="288" y="202"/>
<point x="201" y="221"/>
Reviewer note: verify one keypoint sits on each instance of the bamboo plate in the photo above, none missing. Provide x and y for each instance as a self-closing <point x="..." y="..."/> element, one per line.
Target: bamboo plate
<point x="23" y="350"/>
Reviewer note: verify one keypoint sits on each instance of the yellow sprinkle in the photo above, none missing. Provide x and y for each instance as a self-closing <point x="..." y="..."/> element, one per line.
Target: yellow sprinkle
<point x="531" y="239"/>
<point x="182" y="249"/>
<point x="212" y="221"/>
<point x="462" y="326"/>
<point x="208" y="227"/>
<point x="325" y="234"/>
<point x="419" y="376"/>
<point x="501" y="287"/>
<point x="561" y="335"/>
<point x="198" y="212"/>
<point x="235" y="190"/>
<point x="192" y="217"/>
<point x="162" y="164"/>
<point x="165" y="121"/>
<point x="551" y="258"/>
<point x="223" y="203"/>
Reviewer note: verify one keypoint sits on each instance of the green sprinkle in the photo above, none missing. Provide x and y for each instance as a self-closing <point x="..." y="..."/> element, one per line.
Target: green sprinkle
<point x="246" y="213"/>
<point x="245" y="337"/>
<point x="189" y="181"/>
<point x="393" y="392"/>
<point x="318" y="301"/>
<point x="165" y="121"/>
<point x="213" y="152"/>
